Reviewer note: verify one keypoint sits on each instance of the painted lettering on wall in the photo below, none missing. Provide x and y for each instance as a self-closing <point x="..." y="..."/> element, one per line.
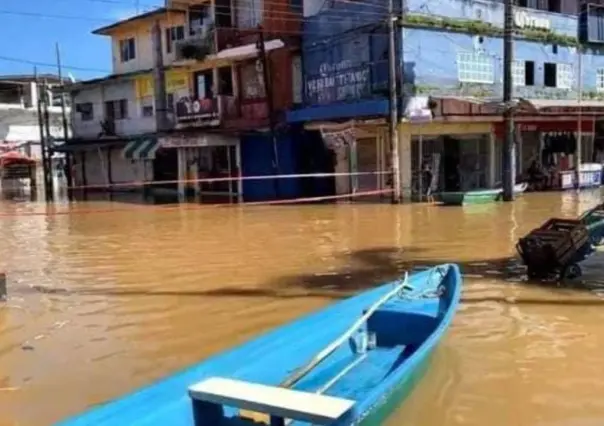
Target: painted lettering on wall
<point x="338" y="82"/>
<point x="524" y="20"/>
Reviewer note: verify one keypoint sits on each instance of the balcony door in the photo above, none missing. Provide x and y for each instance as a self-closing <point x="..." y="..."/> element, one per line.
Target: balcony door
<point x="204" y="84"/>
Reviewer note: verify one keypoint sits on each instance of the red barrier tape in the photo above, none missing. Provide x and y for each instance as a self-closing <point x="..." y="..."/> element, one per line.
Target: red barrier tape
<point x="134" y="184"/>
<point x="185" y="206"/>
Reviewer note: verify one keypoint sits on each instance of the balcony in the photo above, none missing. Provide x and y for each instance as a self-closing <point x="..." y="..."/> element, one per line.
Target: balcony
<point x="196" y="47"/>
<point x="591" y="23"/>
<point x="226" y="111"/>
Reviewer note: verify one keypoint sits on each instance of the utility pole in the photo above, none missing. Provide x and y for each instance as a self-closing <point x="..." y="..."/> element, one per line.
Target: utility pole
<point x="578" y="151"/>
<point x="67" y="170"/>
<point x="509" y="144"/>
<point x="159" y="77"/>
<point x="46" y="172"/>
<point x="393" y="120"/>
<point x="268" y="89"/>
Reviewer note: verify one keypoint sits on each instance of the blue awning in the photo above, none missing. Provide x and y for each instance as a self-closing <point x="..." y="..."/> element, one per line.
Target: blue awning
<point x="368" y="108"/>
<point x="141" y="149"/>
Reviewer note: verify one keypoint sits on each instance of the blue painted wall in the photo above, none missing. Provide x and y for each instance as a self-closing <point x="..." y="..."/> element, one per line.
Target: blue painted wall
<point x="491" y="12"/>
<point x="431" y="61"/>
<point x="344" y="56"/>
<point x="256" y="160"/>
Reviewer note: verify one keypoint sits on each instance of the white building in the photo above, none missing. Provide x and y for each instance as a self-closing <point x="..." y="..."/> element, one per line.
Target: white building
<point x="19" y="126"/>
<point x="113" y="118"/>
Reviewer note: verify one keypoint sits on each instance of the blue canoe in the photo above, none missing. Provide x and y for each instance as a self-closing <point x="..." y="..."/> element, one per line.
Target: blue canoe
<point x="361" y="376"/>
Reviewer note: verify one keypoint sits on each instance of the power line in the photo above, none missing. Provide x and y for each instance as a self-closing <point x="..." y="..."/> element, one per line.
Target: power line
<point x="48" y="64"/>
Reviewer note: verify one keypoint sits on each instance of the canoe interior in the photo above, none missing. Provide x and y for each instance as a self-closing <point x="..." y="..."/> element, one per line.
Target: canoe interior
<point x="406" y="330"/>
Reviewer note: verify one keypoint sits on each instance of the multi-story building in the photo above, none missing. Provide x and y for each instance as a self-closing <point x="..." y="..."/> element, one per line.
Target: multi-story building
<point x="221" y="120"/>
<point x="452" y="64"/>
<point x="19" y="125"/>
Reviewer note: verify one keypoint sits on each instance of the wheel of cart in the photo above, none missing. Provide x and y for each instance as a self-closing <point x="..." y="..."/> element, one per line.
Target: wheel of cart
<point x="571" y="272"/>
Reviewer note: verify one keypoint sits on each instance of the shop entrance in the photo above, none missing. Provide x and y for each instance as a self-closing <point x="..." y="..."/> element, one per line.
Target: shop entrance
<point x="165" y="168"/>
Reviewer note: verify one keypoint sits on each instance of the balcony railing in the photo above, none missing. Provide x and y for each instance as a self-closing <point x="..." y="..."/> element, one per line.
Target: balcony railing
<point x="229" y="111"/>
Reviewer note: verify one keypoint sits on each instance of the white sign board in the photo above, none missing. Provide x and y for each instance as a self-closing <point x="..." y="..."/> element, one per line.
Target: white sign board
<point x="523" y="19"/>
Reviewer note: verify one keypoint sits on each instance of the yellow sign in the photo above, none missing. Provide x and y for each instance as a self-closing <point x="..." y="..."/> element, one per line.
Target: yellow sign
<point x="175" y="81"/>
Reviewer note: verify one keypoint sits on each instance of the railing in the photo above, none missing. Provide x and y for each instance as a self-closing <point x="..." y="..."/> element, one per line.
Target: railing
<point x="228" y="110"/>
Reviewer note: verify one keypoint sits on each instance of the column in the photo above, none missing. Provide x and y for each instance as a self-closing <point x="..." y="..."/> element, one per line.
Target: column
<point x="404" y="142"/>
<point x="492" y="168"/>
<point x="182" y="172"/>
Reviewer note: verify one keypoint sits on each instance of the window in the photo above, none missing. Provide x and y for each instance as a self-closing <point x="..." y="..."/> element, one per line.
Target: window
<point x="475" y="68"/>
<point x="529" y="73"/>
<point x="173" y="34"/>
<point x="249" y="13"/>
<point x="564" y="78"/>
<point x="549" y="74"/>
<point x="600" y="79"/>
<point x="252" y="82"/>
<point x="127" y="49"/>
<point x="518" y="73"/>
<point x="558" y="75"/>
<point x="147" y="106"/>
<point x="116" y="110"/>
<point x="86" y="111"/>
<point x="225" y="80"/>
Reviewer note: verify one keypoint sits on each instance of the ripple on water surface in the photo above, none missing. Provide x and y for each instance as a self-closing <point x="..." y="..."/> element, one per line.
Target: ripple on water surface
<point x="121" y="298"/>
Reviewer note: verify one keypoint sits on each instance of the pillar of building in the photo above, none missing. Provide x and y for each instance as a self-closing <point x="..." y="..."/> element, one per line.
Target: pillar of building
<point x="405" y="171"/>
<point x="182" y="173"/>
<point x="492" y="163"/>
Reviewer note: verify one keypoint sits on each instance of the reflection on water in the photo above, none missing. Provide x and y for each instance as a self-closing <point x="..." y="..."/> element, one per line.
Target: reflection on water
<point x="132" y="292"/>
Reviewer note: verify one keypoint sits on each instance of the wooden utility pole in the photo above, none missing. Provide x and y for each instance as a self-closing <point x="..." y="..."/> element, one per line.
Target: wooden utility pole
<point x="509" y="144"/>
<point x="67" y="170"/>
<point x="268" y="89"/>
<point x="579" y="149"/>
<point x="393" y="119"/>
<point x="44" y="151"/>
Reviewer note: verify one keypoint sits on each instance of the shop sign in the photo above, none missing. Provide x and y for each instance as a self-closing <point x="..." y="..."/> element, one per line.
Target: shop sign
<point x="191" y="109"/>
<point x="522" y="19"/>
<point x="196" y="141"/>
<point x="338" y="82"/>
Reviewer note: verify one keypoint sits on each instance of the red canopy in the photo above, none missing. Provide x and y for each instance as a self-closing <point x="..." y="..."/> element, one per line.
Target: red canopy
<point x="14" y="157"/>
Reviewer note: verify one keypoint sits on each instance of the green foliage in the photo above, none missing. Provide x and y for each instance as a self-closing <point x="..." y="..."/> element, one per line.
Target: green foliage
<point x="476" y="27"/>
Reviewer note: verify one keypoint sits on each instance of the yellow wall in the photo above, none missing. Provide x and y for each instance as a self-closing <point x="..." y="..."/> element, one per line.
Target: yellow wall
<point x="141" y="31"/>
<point x="440" y="128"/>
<point x="176" y="81"/>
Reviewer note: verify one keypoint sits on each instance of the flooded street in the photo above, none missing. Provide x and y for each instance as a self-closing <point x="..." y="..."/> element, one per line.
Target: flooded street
<point x="103" y="302"/>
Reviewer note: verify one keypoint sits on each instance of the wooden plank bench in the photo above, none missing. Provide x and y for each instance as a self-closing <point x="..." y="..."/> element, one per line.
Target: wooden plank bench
<point x="211" y="395"/>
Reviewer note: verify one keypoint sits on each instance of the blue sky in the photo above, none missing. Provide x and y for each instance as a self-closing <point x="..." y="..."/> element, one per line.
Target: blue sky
<point x="29" y="33"/>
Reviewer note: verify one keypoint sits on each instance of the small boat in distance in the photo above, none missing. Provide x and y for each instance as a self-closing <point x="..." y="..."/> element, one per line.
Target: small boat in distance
<point x="477" y="196"/>
<point x="350" y="363"/>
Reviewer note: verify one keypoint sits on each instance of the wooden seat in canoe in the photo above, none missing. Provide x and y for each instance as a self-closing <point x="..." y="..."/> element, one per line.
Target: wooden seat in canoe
<point x="211" y="395"/>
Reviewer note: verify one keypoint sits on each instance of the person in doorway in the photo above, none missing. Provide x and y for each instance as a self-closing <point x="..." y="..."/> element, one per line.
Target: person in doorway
<point x="538" y="178"/>
<point x="427" y="176"/>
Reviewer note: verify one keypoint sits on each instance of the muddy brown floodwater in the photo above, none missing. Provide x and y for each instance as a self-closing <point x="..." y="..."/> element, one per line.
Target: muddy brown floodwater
<point x="103" y="303"/>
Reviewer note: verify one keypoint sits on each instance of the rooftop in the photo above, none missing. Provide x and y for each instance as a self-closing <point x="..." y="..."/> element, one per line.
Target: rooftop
<point x="107" y="30"/>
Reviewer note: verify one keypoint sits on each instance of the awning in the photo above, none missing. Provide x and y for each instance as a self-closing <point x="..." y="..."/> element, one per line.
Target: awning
<point x="13" y="157"/>
<point x="141" y="149"/>
<point x="248" y="51"/>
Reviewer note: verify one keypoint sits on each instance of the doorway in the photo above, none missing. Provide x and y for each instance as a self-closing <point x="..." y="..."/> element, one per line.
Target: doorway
<point x="165" y="168"/>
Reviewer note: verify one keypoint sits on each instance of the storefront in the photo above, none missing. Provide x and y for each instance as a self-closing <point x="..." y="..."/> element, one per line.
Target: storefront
<point x="458" y="155"/>
<point x="549" y="142"/>
<point x="201" y="156"/>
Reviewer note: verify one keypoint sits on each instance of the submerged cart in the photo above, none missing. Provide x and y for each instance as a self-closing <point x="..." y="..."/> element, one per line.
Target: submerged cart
<point x="555" y="249"/>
